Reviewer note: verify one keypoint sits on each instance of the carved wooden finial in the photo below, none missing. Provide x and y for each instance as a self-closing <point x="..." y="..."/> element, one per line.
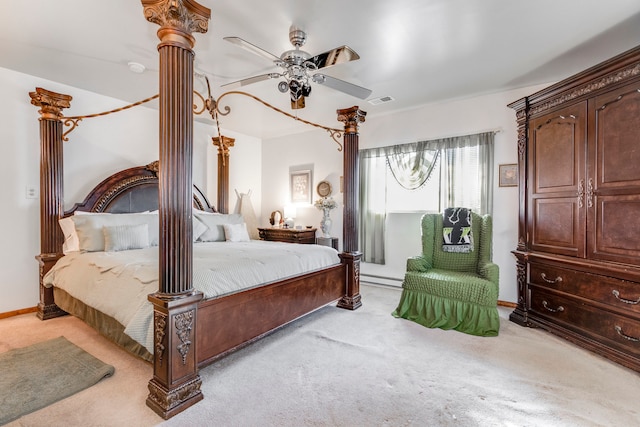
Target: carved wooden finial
<point x="223" y="143"/>
<point x="351" y="117"/>
<point x="154" y="167"/>
<point x="50" y="103"/>
<point x="177" y="19"/>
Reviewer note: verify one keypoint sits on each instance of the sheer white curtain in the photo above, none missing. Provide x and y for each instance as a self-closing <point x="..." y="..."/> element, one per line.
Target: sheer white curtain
<point x="373" y="205"/>
<point x="466" y="173"/>
<point x="465" y="179"/>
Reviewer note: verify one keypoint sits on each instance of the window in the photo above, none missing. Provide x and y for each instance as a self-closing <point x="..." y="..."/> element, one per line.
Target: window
<point x="423" y="198"/>
<point x="427" y="175"/>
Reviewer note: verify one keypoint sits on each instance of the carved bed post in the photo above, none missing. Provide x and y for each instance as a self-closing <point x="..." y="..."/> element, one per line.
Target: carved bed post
<point x="223" y="143"/>
<point x="51" y="190"/>
<point x="351" y="256"/>
<point x="176" y="383"/>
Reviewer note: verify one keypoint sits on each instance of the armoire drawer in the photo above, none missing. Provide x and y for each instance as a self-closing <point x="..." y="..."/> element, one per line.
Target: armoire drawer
<point x="622" y="294"/>
<point x="617" y="331"/>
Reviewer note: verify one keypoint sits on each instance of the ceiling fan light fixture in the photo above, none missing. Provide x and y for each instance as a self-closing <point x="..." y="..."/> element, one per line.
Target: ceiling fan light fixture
<point x="318" y="78"/>
<point x="299" y="68"/>
<point x="296" y="89"/>
<point x="296" y="56"/>
<point x="297" y="37"/>
<point x="298" y="104"/>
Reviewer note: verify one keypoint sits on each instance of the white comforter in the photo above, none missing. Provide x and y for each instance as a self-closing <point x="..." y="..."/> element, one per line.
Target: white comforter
<point x="117" y="283"/>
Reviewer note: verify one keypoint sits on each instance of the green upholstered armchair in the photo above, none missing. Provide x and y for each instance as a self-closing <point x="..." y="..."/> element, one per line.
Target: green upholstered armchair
<point x="451" y="290"/>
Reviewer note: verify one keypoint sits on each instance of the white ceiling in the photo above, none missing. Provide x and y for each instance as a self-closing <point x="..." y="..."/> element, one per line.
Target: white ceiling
<point x="416" y="51"/>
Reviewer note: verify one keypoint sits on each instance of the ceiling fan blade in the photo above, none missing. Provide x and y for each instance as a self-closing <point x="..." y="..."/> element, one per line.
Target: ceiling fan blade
<point x="251" y="80"/>
<point x="252" y="48"/>
<point x="335" y="56"/>
<point x="342" y="86"/>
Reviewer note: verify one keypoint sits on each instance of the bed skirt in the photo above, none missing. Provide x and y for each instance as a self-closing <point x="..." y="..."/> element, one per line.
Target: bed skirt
<point x="105" y="325"/>
<point x="437" y="312"/>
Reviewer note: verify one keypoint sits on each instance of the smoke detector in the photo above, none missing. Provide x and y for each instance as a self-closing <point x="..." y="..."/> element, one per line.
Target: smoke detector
<point x="136" y="67"/>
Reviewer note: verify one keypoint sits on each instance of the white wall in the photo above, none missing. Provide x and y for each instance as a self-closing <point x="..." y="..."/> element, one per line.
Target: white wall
<point x="97" y="148"/>
<point x="19" y="159"/>
<point x="460" y="117"/>
<point x="316" y="148"/>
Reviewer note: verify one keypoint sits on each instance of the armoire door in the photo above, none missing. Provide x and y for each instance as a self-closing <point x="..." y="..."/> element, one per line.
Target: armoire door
<point x="613" y="186"/>
<point x="557" y="153"/>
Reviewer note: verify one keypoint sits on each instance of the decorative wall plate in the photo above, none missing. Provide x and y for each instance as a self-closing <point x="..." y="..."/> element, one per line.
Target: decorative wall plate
<point x="324" y="188"/>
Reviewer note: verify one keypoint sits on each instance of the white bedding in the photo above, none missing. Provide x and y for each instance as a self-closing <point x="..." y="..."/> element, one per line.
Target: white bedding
<point x="117" y="283"/>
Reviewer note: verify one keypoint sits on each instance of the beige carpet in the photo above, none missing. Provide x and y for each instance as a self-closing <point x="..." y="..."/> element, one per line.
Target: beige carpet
<point x="362" y="368"/>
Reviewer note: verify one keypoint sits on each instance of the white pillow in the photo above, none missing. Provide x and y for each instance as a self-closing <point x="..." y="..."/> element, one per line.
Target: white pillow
<point x="125" y="237"/>
<point x="198" y="228"/>
<point x="236" y="232"/>
<point x="91" y="236"/>
<point x="214" y="223"/>
<point x="71" y="242"/>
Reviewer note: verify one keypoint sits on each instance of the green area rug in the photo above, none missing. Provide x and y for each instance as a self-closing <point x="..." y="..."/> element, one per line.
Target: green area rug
<point x="41" y="374"/>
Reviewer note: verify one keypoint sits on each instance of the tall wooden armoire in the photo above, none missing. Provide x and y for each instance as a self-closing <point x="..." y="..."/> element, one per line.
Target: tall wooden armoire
<point x="578" y="254"/>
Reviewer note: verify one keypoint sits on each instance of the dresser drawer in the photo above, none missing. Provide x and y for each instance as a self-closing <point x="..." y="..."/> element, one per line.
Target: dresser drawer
<point x="616" y="331"/>
<point x="621" y="294"/>
<point x="288" y="235"/>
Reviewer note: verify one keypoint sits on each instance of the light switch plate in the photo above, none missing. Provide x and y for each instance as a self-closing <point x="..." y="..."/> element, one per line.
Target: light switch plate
<point x="31" y="192"/>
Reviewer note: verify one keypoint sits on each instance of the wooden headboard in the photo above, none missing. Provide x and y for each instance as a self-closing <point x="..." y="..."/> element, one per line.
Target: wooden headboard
<point x="132" y="190"/>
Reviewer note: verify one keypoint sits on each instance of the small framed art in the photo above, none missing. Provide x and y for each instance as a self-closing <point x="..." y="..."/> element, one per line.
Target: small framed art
<point x="508" y="175"/>
<point x="300" y="185"/>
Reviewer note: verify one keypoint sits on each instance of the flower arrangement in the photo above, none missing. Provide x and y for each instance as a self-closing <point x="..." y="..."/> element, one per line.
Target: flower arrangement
<point x="325" y="203"/>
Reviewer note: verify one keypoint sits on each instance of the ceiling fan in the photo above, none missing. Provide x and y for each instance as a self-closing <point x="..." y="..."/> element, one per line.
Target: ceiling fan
<point x="299" y="68"/>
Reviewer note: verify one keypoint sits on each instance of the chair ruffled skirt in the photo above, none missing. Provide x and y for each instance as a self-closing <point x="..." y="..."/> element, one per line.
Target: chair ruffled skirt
<point x="434" y="311"/>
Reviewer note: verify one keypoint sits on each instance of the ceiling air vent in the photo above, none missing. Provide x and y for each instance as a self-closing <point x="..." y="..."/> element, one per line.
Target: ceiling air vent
<point x="381" y="100"/>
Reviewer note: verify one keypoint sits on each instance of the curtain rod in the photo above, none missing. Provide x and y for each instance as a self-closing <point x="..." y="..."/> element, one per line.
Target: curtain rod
<point x="495" y="131"/>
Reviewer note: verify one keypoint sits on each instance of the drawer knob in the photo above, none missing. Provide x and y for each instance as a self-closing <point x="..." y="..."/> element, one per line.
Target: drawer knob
<point x="625" y="336"/>
<point x="552" y="281"/>
<point x="560" y="308"/>
<point x="616" y="294"/>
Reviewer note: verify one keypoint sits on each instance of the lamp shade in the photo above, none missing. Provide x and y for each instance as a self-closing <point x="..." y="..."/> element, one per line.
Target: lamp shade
<point x="289" y="211"/>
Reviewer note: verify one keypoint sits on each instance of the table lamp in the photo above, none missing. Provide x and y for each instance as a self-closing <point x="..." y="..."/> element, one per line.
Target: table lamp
<point x="289" y="215"/>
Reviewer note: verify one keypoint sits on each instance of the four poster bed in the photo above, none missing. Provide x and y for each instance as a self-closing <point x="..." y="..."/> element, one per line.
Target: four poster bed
<point x="189" y="328"/>
<point x="105" y="278"/>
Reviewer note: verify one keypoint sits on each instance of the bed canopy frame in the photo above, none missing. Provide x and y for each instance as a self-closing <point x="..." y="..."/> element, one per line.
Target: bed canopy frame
<point x="181" y="315"/>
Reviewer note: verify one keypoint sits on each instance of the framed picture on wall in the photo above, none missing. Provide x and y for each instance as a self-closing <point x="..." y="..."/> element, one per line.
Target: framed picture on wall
<point x="508" y="175"/>
<point x="300" y="186"/>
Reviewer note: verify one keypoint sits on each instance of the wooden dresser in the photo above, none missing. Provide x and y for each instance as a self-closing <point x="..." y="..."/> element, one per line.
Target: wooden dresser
<point x="578" y="254"/>
<point x="289" y="235"/>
